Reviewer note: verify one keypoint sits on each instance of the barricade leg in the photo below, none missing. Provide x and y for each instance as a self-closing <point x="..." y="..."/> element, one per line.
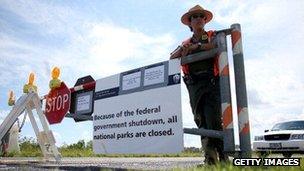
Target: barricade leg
<point x="47" y="133"/>
<point x="36" y="130"/>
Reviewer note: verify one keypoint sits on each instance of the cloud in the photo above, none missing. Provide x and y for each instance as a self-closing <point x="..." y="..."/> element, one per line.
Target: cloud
<point x="3" y="114"/>
<point x="99" y="49"/>
<point x="275" y="88"/>
<point x="86" y="135"/>
<point x="49" y="16"/>
<point x="255" y="99"/>
<point x="113" y="47"/>
<point x="272" y="39"/>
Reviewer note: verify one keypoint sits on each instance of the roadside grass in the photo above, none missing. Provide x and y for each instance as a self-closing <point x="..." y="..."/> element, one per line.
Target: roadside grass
<point x="89" y="153"/>
<point x="30" y="148"/>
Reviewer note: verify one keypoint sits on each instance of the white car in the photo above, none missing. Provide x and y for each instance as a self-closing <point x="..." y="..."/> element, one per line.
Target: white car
<point x="286" y="138"/>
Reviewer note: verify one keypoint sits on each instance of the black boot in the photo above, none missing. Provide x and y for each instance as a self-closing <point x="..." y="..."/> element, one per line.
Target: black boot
<point x="209" y="152"/>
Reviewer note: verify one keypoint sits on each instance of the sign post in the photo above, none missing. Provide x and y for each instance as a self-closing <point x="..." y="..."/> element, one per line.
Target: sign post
<point x="57" y="104"/>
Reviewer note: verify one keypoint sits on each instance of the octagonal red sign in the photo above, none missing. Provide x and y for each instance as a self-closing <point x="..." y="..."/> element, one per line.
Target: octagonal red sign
<point x="57" y="104"/>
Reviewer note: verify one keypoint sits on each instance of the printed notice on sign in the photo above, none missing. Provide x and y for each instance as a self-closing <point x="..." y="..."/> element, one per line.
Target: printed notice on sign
<point x="154" y="75"/>
<point x="141" y="121"/>
<point x="83" y="102"/>
<point x="131" y="81"/>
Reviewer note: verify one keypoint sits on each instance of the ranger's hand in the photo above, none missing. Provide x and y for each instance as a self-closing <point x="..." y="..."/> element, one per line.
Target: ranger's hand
<point x="208" y="46"/>
<point x="186" y="49"/>
<point x="176" y="53"/>
<point x="189" y="48"/>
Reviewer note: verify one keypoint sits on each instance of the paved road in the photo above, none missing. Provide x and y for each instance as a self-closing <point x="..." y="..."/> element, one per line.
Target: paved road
<point x="94" y="163"/>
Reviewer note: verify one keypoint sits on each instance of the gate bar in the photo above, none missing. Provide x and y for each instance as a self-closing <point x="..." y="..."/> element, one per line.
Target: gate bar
<point x="204" y="132"/>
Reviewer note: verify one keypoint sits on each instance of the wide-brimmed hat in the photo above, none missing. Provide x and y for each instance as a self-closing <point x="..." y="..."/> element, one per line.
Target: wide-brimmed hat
<point x="196" y="10"/>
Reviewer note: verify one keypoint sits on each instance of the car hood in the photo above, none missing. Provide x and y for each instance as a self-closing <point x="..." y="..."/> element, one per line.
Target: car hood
<point x="285" y="132"/>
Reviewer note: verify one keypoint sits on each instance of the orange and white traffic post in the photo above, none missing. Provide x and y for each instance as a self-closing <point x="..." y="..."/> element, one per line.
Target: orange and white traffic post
<point x="241" y="93"/>
<point x="224" y="81"/>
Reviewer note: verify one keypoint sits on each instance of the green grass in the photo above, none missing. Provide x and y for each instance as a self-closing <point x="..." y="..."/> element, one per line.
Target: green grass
<point x="89" y="153"/>
<point x="30" y="148"/>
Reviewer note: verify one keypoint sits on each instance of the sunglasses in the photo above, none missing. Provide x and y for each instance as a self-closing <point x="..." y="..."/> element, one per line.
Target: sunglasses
<point x="198" y="16"/>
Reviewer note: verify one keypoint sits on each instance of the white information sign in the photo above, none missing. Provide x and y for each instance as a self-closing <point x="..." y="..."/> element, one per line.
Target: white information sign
<point x="154" y="75"/>
<point x="83" y="103"/>
<point x="145" y="121"/>
<point x="131" y="81"/>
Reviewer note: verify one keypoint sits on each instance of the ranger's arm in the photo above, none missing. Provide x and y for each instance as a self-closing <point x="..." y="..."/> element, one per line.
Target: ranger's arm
<point x="182" y="50"/>
<point x="177" y="53"/>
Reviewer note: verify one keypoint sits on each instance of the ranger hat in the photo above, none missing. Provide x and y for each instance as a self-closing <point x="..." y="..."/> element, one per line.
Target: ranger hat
<point x="196" y="10"/>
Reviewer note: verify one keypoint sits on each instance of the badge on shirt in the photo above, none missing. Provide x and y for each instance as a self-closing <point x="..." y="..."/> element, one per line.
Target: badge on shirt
<point x="204" y="37"/>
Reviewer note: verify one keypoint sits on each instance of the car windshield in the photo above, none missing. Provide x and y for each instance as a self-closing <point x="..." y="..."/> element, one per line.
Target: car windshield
<point x="294" y="125"/>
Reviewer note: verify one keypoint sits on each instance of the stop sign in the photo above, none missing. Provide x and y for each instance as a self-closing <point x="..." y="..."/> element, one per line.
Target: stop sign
<point x="57" y="104"/>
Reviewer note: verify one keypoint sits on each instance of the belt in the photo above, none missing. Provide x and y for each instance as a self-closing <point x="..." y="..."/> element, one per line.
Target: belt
<point x="200" y="75"/>
<point x="202" y="72"/>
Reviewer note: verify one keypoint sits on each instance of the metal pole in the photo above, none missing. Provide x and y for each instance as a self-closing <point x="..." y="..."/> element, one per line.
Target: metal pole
<point x="204" y="132"/>
<point x="241" y="93"/>
<point x="199" y="56"/>
<point x="226" y="107"/>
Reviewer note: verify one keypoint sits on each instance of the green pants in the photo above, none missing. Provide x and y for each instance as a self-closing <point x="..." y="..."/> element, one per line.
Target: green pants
<point x="205" y="102"/>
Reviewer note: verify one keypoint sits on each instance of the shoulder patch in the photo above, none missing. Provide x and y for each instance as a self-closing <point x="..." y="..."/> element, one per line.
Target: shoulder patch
<point x="204" y="37"/>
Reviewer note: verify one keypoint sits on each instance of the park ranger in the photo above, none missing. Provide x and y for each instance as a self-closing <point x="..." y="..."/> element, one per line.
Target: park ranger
<point x="202" y="81"/>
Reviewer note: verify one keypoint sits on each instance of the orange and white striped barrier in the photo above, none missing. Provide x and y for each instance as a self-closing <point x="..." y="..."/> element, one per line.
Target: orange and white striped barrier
<point x="241" y="93"/>
<point x="224" y="81"/>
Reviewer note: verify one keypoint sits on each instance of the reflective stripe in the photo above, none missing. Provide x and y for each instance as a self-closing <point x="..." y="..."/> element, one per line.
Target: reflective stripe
<point x="243" y="119"/>
<point x="224" y="69"/>
<point x="236" y="37"/>
<point x="227" y="115"/>
<point x="237" y="49"/>
<point x="80" y="87"/>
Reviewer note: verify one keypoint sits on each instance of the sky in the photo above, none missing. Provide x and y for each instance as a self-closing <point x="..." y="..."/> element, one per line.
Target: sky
<point x="102" y="38"/>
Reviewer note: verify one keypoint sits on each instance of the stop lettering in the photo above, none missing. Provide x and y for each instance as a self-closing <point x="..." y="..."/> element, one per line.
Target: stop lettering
<point x="57" y="103"/>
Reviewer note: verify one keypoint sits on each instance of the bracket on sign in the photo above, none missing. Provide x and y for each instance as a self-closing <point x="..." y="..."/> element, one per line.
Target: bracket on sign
<point x="82" y="99"/>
